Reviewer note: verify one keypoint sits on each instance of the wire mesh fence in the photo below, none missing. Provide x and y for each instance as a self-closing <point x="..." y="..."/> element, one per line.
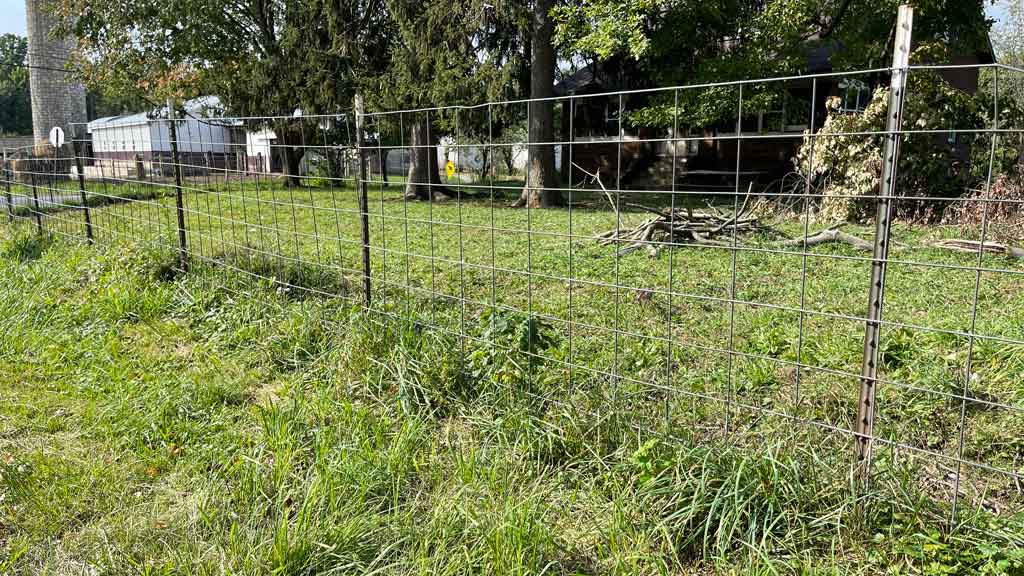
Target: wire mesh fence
<point x="676" y="277"/>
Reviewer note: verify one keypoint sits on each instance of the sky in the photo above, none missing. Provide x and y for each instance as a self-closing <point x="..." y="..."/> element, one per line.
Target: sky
<point x="12" y="17"/>
<point x="12" y="14"/>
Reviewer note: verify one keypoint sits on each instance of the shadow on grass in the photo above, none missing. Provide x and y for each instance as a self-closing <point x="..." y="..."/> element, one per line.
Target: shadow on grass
<point x="71" y="200"/>
<point x="296" y="280"/>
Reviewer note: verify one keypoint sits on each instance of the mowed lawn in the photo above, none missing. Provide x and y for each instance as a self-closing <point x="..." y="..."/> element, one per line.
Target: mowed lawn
<point x="518" y="400"/>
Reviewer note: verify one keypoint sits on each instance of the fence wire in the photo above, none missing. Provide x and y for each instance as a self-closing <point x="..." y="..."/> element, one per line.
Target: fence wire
<point x="689" y="277"/>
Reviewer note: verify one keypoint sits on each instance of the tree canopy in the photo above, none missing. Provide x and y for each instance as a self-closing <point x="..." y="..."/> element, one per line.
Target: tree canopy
<point x="676" y="42"/>
<point x="15" y="101"/>
<point x="1008" y="36"/>
<point x="261" y="57"/>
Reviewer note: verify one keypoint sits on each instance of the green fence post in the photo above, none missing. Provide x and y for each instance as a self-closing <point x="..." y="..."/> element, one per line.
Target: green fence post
<point x="364" y="205"/>
<point x="179" y="201"/>
<point x="8" y="176"/>
<point x="35" y="195"/>
<point x="80" y="168"/>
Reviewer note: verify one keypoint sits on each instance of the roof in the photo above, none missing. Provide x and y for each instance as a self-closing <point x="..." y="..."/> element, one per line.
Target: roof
<point x="205" y="107"/>
<point x="577" y="81"/>
<point x="119" y="121"/>
<point x="987" y="54"/>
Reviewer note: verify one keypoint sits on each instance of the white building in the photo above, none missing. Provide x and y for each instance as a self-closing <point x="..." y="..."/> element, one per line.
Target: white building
<point x="259" y="151"/>
<point x="203" y="139"/>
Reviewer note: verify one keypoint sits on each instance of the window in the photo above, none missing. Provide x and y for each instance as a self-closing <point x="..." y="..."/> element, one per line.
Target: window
<point x="773" y="120"/>
<point x="611" y="114"/>
<point x="854" y="95"/>
<point x="764" y="121"/>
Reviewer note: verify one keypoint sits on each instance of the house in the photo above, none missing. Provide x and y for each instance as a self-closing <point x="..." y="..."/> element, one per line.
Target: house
<point x="706" y="156"/>
<point x="472" y="157"/>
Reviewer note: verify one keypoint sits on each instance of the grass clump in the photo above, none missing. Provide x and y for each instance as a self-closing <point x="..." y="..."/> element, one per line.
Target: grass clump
<point x="24" y="246"/>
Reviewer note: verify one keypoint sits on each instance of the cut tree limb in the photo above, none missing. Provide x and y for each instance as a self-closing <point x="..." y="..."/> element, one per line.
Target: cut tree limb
<point x="597" y="178"/>
<point x="711" y="228"/>
<point x="832" y="234"/>
<point x="973" y="246"/>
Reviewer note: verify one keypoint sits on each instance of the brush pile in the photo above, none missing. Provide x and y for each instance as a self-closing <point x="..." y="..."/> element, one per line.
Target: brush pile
<point x="713" y="227"/>
<point x="707" y="227"/>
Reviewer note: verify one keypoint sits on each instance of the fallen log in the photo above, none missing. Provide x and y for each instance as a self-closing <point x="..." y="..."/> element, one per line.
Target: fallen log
<point x="973" y="246"/>
<point x="832" y="234"/>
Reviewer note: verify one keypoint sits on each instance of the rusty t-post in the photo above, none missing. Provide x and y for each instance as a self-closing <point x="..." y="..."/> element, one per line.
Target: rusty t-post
<point x="364" y="205"/>
<point x="883" y="225"/>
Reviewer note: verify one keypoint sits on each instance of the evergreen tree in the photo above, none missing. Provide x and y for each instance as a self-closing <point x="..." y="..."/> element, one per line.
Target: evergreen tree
<point x="446" y="52"/>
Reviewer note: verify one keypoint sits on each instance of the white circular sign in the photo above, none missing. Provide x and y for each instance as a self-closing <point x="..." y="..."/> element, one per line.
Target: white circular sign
<point x="57" y="136"/>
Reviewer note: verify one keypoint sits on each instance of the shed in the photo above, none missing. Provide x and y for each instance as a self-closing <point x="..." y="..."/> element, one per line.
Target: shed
<point x="204" y="140"/>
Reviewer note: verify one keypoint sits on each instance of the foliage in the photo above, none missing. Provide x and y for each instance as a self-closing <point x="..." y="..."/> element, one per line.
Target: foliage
<point x="1006" y="85"/>
<point x="845" y="164"/>
<point x="675" y="42"/>
<point x="261" y="58"/>
<point x="443" y="52"/>
<point x="994" y="206"/>
<point x="15" y="102"/>
<point x="25" y="246"/>
<point x="516" y="341"/>
<point x="1008" y="35"/>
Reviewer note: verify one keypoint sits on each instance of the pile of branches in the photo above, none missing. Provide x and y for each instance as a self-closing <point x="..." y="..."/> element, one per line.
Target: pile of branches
<point x="710" y="228"/>
<point x="713" y="227"/>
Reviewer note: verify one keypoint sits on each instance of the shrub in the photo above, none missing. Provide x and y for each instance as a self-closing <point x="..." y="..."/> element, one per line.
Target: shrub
<point x="847" y="165"/>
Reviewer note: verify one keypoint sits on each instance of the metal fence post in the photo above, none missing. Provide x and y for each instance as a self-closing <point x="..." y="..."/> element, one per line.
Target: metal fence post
<point x="179" y="202"/>
<point x="8" y="176"/>
<point x="883" y="224"/>
<point x="364" y="209"/>
<point x="80" y="168"/>
<point x="33" y="163"/>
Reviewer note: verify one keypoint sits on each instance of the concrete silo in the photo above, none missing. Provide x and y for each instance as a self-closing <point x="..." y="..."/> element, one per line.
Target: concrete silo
<point x="58" y="98"/>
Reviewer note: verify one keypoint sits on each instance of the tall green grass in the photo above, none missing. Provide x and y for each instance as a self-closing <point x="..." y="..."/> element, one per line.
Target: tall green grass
<point x="211" y="422"/>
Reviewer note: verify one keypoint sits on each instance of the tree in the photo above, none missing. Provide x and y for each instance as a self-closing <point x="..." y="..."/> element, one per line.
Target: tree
<point x="673" y="42"/>
<point x="15" y="101"/>
<point x="1008" y="36"/>
<point x="1006" y="87"/>
<point x="1008" y="42"/>
<point x="262" y="57"/>
<point x="100" y="103"/>
<point x="541" y="188"/>
<point x="445" y="52"/>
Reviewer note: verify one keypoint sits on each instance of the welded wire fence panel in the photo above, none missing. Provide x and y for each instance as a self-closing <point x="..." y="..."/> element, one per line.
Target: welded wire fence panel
<point x="711" y="280"/>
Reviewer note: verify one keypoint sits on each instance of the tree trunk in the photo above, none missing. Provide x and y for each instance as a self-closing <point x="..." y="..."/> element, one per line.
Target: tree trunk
<point x="384" y="166"/>
<point x="424" y="178"/>
<point x="541" y="179"/>
<point x="485" y="164"/>
<point x="507" y="157"/>
<point x="293" y="161"/>
<point x="293" y="152"/>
